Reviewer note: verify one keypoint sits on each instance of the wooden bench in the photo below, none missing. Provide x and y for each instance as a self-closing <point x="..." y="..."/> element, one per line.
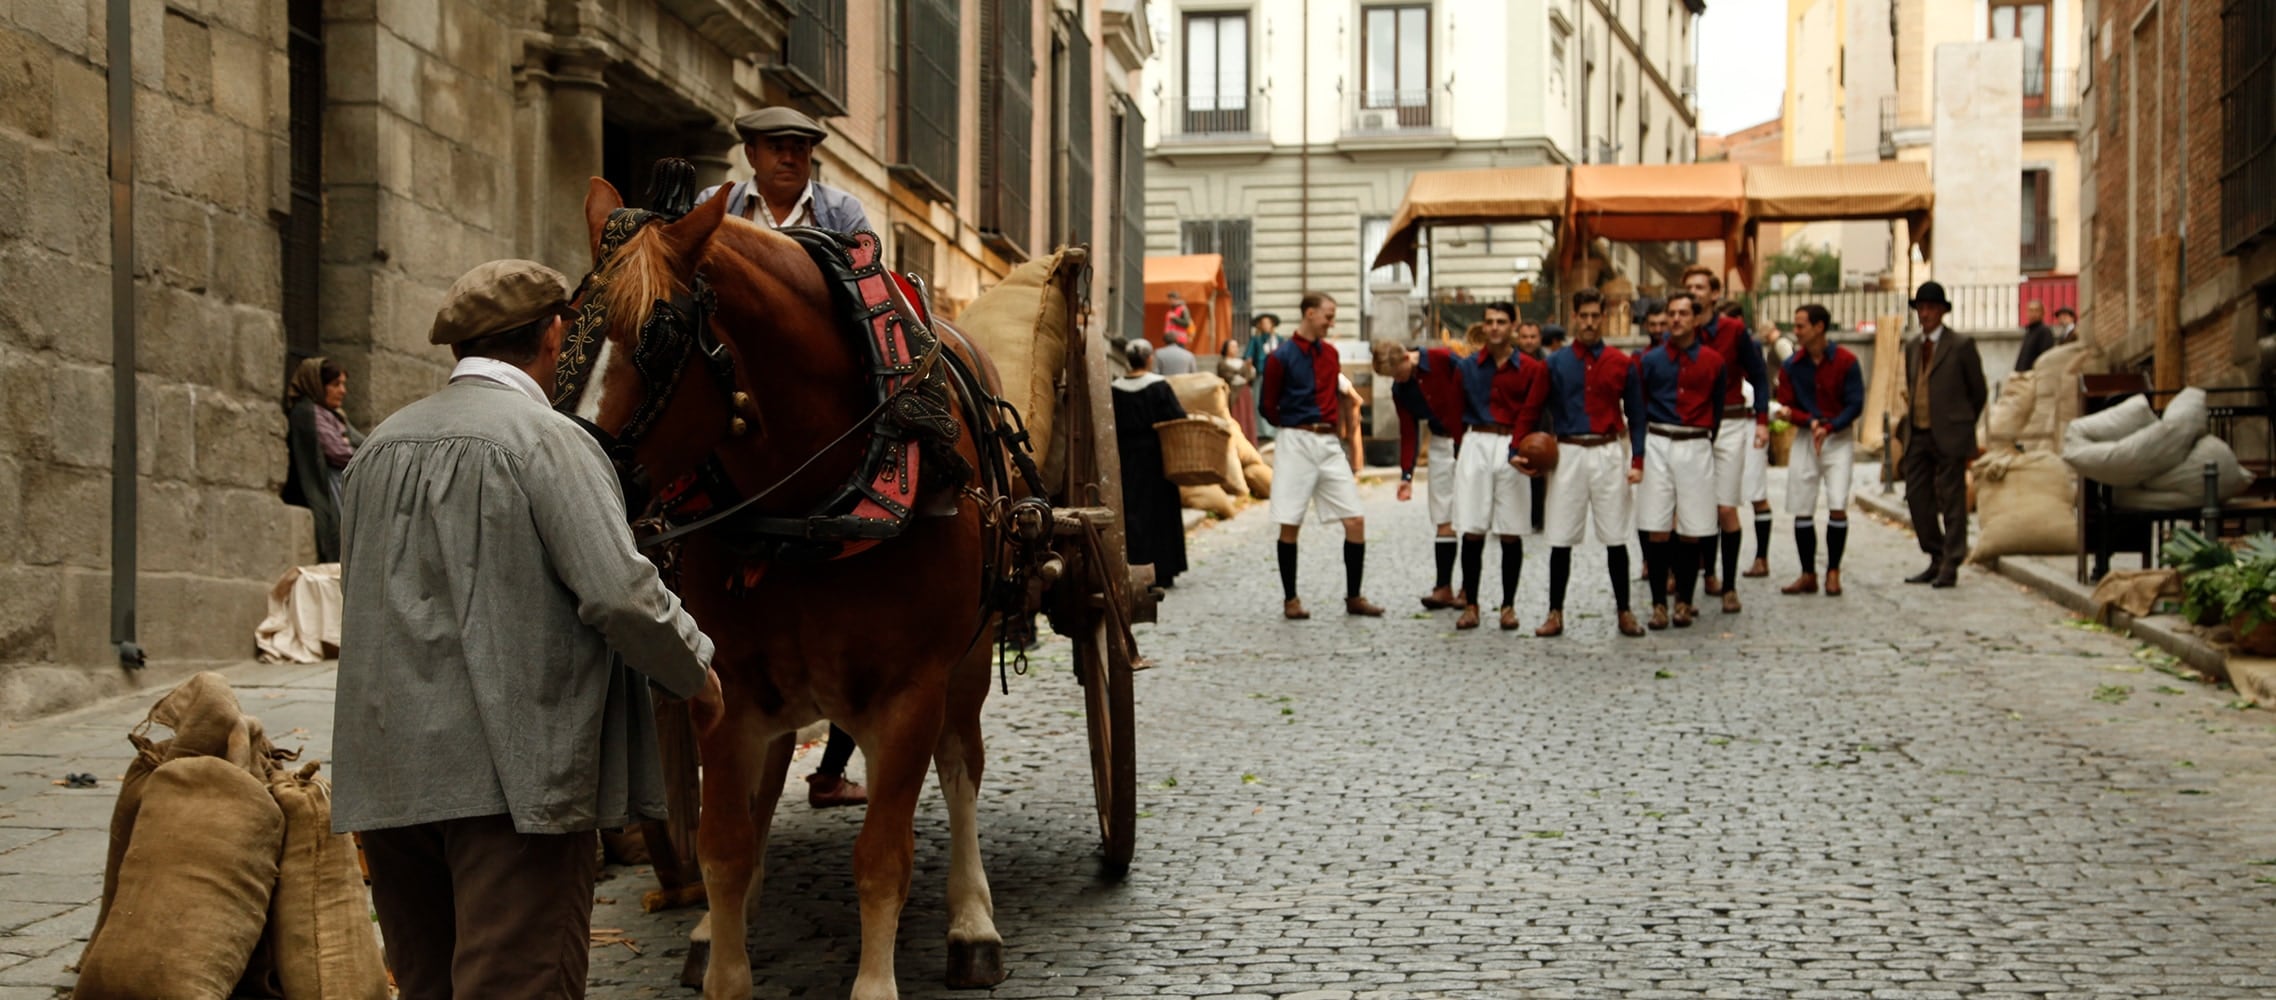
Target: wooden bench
<point x="2245" y="417"/>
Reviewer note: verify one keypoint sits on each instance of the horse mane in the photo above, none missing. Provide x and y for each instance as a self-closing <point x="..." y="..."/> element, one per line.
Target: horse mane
<point x="636" y="277"/>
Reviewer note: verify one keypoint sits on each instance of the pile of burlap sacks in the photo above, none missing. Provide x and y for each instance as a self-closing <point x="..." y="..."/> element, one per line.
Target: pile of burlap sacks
<point x="224" y="877"/>
<point x="1203" y="394"/>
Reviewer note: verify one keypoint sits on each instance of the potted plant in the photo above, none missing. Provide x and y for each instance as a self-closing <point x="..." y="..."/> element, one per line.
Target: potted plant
<point x="2237" y="586"/>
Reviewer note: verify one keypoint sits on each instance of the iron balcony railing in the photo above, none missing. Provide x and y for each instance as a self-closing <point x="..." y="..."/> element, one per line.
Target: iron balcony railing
<point x="1392" y="112"/>
<point x="2038" y="250"/>
<point x="1213" y="117"/>
<point x="2049" y="94"/>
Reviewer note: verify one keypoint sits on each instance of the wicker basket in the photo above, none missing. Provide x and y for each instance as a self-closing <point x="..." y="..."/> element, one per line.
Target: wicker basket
<point x="1193" y="451"/>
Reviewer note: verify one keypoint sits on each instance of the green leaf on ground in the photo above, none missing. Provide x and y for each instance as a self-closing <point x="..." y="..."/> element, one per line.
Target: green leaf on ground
<point x="1655" y="814"/>
<point x="1170" y="782"/>
<point x="1248" y="779"/>
<point x="2195" y="791"/>
<point x="1719" y="741"/>
<point x="2086" y="625"/>
<point x="2113" y="694"/>
<point x="1662" y="675"/>
<point x="2240" y="704"/>
<point x="2168" y="689"/>
<point x="1546" y="834"/>
<point x="1288" y="711"/>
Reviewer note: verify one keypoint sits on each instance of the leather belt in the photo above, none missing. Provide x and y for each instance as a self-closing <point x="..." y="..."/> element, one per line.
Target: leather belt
<point x="1314" y="428"/>
<point x="1678" y="432"/>
<point x="1587" y="440"/>
<point x="1734" y="410"/>
<point x="1502" y="429"/>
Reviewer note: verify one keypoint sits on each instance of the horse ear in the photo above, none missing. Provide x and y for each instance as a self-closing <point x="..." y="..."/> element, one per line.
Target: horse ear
<point x="690" y="233"/>
<point x="600" y="199"/>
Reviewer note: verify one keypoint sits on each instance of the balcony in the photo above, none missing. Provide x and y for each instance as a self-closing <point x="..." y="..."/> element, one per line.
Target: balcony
<point x="2038" y="251"/>
<point x="1215" y="126"/>
<point x="2050" y="103"/>
<point x="1396" y="123"/>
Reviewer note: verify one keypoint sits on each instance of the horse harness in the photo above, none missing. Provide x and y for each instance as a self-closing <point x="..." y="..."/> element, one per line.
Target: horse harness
<point x="911" y="431"/>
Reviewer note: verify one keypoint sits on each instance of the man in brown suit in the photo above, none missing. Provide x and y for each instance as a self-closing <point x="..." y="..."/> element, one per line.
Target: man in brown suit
<point x="1944" y="383"/>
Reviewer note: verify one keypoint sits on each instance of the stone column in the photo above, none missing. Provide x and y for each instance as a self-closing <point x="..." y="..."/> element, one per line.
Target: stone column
<point x="570" y="148"/>
<point x="1978" y="171"/>
<point x="714" y="153"/>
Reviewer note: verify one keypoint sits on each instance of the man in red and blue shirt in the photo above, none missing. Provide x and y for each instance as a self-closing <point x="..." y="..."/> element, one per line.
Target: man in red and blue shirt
<point x="1503" y="393"/>
<point x="1426" y="386"/>
<point x="1308" y="463"/>
<point x="1823" y="392"/>
<point x="1596" y="410"/>
<point x="1744" y="425"/>
<point x="1682" y="382"/>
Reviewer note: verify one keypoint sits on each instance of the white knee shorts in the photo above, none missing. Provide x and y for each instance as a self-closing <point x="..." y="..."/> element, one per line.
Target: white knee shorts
<point x="1732" y="442"/>
<point x="1441" y="482"/>
<point x="1589" y="485"/>
<point x="1678" y="492"/>
<point x="1827" y="467"/>
<point x="1309" y="466"/>
<point x="1754" y="485"/>
<point x="1490" y="496"/>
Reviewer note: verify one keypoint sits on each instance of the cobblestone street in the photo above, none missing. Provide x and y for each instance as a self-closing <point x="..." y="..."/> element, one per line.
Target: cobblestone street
<point x="1901" y="793"/>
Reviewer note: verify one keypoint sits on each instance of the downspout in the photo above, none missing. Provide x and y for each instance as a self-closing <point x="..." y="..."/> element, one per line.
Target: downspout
<point x="1303" y="163"/>
<point x="124" y="483"/>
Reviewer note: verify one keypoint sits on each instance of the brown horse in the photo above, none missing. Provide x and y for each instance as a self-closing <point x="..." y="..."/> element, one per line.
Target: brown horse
<point x="876" y="642"/>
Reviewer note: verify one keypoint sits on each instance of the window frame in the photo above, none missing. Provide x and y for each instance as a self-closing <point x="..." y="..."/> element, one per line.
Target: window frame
<point x="1007" y="127"/>
<point x="2046" y="66"/>
<point x="816" y="85"/>
<point x="1367" y="92"/>
<point x="1217" y="119"/>
<point x="933" y="174"/>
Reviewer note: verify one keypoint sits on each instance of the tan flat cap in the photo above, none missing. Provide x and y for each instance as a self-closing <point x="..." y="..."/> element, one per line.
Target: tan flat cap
<point x="496" y="297"/>
<point x="778" y="120"/>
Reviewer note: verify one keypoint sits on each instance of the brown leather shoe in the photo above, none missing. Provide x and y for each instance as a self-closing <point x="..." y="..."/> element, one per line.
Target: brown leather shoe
<point x="1552" y="626"/>
<point x="1294" y="610"/>
<point x="1629" y="626"/>
<point x="1659" y="617"/>
<point x="1833" y="583"/>
<point x="832" y="790"/>
<point x="1684" y="615"/>
<point x="1509" y="619"/>
<point x="1469" y="619"/>
<point x="1759" y="568"/>
<point x="1362" y="607"/>
<point x="1730" y="602"/>
<point x="1440" y="600"/>
<point x="1712" y="586"/>
<point x="1807" y="583"/>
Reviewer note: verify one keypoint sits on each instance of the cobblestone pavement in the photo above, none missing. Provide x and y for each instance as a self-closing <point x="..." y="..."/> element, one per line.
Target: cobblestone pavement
<point x="1901" y="793"/>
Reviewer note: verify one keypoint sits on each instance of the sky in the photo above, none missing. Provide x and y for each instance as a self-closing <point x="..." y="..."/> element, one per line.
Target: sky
<point x="1742" y="63"/>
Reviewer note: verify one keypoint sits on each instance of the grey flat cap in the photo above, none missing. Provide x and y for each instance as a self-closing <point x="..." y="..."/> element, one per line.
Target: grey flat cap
<point x="496" y="297"/>
<point x="778" y="121"/>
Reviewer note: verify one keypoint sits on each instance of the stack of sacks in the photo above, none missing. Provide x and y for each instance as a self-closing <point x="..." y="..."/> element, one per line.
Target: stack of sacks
<point x="224" y="877"/>
<point x="2034" y="406"/>
<point x="2023" y="506"/>
<point x="1203" y="394"/>
<point x="2153" y="462"/>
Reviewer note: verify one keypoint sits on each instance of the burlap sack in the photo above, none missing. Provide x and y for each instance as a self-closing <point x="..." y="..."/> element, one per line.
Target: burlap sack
<point x="1202" y="394"/>
<point x="1023" y="324"/>
<point x="2182" y="487"/>
<point x="1236" y="483"/>
<point x="2011" y="412"/>
<point x="203" y="714"/>
<point x="194" y="889"/>
<point x="2023" y="501"/>
<point x="1259" y="476"/>
<point x="1247" y="449"/>
<point x="320" y="929"/>
<point x="1212" y="499"/>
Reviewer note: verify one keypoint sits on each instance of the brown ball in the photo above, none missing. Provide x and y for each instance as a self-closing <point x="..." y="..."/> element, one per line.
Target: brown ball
<point x="1539" y="449"/>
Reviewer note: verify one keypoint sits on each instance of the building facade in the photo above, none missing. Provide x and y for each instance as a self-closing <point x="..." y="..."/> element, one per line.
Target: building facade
<point x="1284" y="134"/>
<point x="309" y="176"/>
<point x="2181" y="188"/>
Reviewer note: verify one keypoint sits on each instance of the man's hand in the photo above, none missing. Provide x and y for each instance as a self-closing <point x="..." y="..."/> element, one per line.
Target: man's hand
<point x="1762" y="435"/>
<point x="709" y="705"/>
<point x="1818" y="434"/>
<point x="1406" y="490"/>
<point x="1519" y="463"/>
<point x="1635" y="475"/>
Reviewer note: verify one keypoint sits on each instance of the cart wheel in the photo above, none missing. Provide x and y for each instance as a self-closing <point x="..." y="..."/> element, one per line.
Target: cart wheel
<point x="1104" y="666"/>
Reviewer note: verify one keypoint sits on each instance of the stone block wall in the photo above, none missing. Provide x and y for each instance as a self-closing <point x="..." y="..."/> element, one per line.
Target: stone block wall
<point x="210" y="123"/>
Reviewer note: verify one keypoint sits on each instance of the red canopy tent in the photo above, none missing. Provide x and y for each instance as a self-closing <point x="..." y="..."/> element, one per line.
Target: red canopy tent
<point x="1200" y="279"/>
<point x="1648" y="203"/>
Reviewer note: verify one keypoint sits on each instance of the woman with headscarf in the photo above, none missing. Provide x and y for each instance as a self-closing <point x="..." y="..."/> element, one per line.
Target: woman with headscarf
<point x="318" y="441"/>
<point x="1155" y="525"/>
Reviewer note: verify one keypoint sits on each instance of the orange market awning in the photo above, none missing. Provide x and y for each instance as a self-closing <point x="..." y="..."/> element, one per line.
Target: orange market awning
<point x="1471" y="198"/>
<point x="1842" y="192"/>
<point x="1200" y="279"/>
<point x="1643" y="203"/>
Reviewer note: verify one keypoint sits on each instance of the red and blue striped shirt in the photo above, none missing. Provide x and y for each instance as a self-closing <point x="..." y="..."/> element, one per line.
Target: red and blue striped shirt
<point x="1300" y="383"/>
<point x="1836" y="387"/>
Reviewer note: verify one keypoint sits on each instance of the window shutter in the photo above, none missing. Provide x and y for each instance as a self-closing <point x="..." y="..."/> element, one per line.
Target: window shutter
<point x="1130" y="219"/>
<point x="929" y="51"/>
<point x="1007" y="148"/>
<point x="1079" y="172"/>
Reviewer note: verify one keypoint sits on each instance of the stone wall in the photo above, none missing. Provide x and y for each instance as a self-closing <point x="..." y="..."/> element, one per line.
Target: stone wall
<point x="210" y="120"/>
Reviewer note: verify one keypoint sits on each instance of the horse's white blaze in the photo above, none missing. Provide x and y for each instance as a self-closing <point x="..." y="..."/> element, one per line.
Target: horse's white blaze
<point x="589" y="406"/>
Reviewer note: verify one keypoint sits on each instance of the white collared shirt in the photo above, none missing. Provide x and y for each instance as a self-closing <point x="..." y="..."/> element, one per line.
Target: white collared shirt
<point x="801" y="214"/>
<point x="494" y="370"/>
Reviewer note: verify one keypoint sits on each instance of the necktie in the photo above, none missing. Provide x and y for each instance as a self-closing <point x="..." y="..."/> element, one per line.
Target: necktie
<point x="1927" y="353"/>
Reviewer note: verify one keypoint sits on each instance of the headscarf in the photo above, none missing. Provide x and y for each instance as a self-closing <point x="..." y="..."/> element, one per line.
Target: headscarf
<point x="307" y="383"/>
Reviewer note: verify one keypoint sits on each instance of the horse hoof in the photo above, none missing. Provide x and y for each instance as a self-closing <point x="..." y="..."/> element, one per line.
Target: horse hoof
<point x="699" y="956"/>
<point x="975" y="965"/>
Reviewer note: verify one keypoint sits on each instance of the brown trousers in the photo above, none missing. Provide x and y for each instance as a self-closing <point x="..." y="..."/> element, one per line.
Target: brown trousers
<point x="471" y="908"/>
<point x="1936" y="495"/>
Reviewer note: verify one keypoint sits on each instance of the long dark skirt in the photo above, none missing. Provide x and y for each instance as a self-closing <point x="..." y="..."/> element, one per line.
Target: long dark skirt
<point x="1155" y="527"/>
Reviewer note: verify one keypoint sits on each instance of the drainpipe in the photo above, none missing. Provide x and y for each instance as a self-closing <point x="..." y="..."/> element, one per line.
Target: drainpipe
<point x="1303" y="163"/>
<point x="124" y="484"/>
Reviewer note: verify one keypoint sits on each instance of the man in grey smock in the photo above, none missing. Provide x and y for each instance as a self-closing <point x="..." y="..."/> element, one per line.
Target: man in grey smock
<point x="483" y="731"/>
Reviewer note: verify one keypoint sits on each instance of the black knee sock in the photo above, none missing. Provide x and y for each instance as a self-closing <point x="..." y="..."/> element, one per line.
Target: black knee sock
<point x="1473" y="566"/>
<point x="1513" y="564"/>
<point x="1704" y="555"/>
<point x="1656" y="569"/>
<point x="1615" y="559"/>
<point x="836" y="753"/>
<point x="1806" y="543"/>
<point x="1287" y="552"/>
<point x="1560" y="572"/>
<point x="1762" y="527"/>
<point x="1837" y="539"/>
<point x="1733" y="541"/>
<point x="1447" y="548"/>
<point x="1354" y="567"/>
<point x="1686" y="561"/>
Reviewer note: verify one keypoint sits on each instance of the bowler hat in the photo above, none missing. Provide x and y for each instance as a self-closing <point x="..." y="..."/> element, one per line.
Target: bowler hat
<point x="1931" y="294"/>
<point x="496" y="297"/>
<point x="778" y="121"/>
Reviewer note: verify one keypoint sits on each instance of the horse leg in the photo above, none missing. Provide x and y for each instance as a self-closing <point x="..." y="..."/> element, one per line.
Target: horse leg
<point x="896" y="740"/>
<point x="740" y="785"/>
<point x="975" y="949"/>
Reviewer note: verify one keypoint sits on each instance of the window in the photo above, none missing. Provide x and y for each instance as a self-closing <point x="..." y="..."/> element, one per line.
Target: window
<point x="1129" y="207"/>
<point x="1395" y="62"/>
<point x="2248" y="123"/>
<point x="2026" y="21"/>
<point x="1216" y="73"/>
<point x="813" y="65"/>
<point x="912" y="252"/>
<point x="2038" y="250"/>
<point x="303" y="228"/>
<point x="1007" y="124"/>
<point x="1071" y="134"/>
<point x="1557" y="60"/>
<point x="929" y="61"/>
<point x="1230" y="239"/>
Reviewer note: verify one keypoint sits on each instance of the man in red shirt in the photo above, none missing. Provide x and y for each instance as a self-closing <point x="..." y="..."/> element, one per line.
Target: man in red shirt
<point x="1308" y="463"/>
<point x="1503" y="392"/>
<point x="1823" y="393"/>
<point x="1742" y="426"/>
<point x="1596" y="410"/>
<point x="1682" y="384"/>
<point x="1426" y="385"/>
